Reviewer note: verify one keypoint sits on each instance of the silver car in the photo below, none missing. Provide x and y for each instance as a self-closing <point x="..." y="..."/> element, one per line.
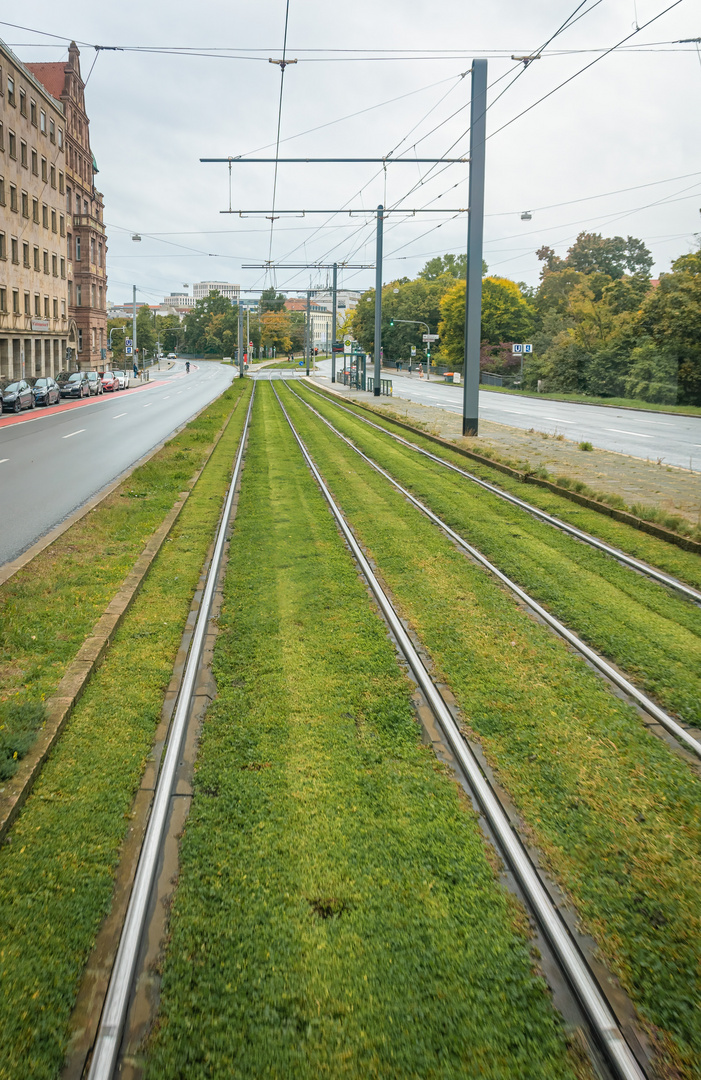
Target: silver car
<point x="122" y="378"/>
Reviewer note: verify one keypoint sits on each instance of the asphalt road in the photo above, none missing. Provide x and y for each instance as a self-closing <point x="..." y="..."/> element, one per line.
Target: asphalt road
<point x="52" y="461"/>
<point x="676" y="440"/>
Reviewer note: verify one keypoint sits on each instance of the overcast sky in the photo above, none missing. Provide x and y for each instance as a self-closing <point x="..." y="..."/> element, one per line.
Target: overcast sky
<point x="629" y="121"/>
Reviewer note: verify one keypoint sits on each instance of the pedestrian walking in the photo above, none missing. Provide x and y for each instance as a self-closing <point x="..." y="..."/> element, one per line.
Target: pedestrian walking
<point x="136" y="370"/>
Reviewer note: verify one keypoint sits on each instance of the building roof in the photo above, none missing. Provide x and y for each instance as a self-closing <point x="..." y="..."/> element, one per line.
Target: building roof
<point x="50" y="75"/>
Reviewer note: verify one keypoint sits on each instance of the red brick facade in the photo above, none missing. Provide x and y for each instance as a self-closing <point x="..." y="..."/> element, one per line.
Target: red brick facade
<point x="86" y="240"/>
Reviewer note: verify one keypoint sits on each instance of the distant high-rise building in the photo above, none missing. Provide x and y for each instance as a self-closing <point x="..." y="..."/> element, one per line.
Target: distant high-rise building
<point x="202" y="289"/>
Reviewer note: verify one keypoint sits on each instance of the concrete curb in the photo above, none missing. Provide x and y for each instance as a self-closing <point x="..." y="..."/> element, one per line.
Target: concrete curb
<point x="624" y="516"/>
<point x="61" y="704"/>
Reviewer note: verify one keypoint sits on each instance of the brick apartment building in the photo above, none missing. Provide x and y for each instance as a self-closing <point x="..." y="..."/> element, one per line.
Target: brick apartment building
<point x="36" y="328"/>
<point x="86" y="242"/>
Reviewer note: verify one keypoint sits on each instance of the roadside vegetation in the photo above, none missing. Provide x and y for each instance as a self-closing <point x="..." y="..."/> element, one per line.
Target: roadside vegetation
<point x="652" y="634"/>
<point x="48" y="608"/>
<point x="337" y="913"/>
<point x="615" y="811"/>
<point x="593" y="399"/>
<point x="57" y="864"/>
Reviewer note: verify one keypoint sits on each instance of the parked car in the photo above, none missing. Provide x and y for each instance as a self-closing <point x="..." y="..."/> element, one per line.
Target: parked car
<point x="122" y="378"/>
<point x="109" y="381"/>
<point x="76" y="386"/>
<point x="94" y="382"/>
<point x="172" y="356"/>
<point x="46" y="391"/>
<point x="17" y="396"/>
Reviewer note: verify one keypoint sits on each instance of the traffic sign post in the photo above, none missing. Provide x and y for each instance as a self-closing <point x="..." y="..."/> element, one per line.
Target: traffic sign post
<point x="519" y="349"/>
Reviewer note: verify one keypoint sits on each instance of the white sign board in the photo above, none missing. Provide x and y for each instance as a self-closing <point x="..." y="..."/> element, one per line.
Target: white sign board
<point x="528" y="348"/>
<point x="128" y="342"/>
<point x="521" y="349"/>
<point x="348" y="345"/>
<point x="413" y="350"/>
<point x="429" y="337"/>
<point x="128" y="350"/>
<point x="40" y="324"/>
<point x="516" y="348"/>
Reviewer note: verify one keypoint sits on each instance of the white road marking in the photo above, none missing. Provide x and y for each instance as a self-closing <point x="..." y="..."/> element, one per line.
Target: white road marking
<point x="3" y="460"/>
<point x="180" y="392"/>
<point x="166" y="397"/>
<point x="559" y="420"/>
<point x="78" y="432"/>
<point x="148" y="405"/>
<point x="637" y="434"/>
<point x="659" y="423"/>
<point x="118" y="415"/>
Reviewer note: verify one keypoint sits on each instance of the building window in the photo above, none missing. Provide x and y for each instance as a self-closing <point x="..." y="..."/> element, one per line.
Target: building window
<point x="13" y="198"/>
<point x="85" y="207"/>
<point x="46" y="262"/>
<point x="37" y="305"/>
<point x="37" y="262"/>
<point x="25" y="255"/>
<point x="44" y="169"/>
<point x="35" y="210"/>
<point x="15" y="251"/>
<point x="2" y="192"/>
<point x="42" y="121"/>
<point x="35" y="163"/>
<point x="80" y="340"/>
<point x="45" y="215"/>
<point x="46" y="308"/>
<point x="63" y="268"/>
<point x="3" y="299"/>
<point x="69" y="195"/>
<point x="77" y="203"/>
<point x="99" y="296"/>
<point x="25" y="204"/>
<point x="10" y="90"/>
<point x="70" y="294"/>
<point x="99" y="254"/>
<point x="55" y="308"/>
<point x="77" y="249"/>
<point x="52" y="176"/>
<point x="54" y="265"/>
<point x="15" y="301"/>
<point x="3" y="251"/>
<point x="52" y="131"/>
<point x="54" y="225"/>
<point x="78" y="296"/>
<point x="68" y="244"/>
<point x="92" y="249"/>
<point x="60" y="138"/>
<point x="33" y="112"/>
<point x="63" y="309"/>
<point x="2" y="136"/>
<point x="61" y="185"/>
<point x="23" y="154"/>
<point x="22" y="102"/>
<point x="27" y="304"/>
<point x="12" y="144"/>
<point x="62" y="225"/>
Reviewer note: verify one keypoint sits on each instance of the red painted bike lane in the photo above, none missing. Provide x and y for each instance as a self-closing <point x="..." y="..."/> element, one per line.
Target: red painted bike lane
<point x="28" y="416"/>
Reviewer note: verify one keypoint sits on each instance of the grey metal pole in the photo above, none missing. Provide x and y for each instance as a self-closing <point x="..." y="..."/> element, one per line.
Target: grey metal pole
<point x="308" y="340"/>
<point x="133" y="328"/>
<point x="334" y="321"/>
<point x="378" y="303"/>
<point x="475" y="229"/>
<point x="240" y="345"/>
<point x="248" y="333"/>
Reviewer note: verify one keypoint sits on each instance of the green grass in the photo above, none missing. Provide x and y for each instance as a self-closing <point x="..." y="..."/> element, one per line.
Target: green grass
<point x="48" y="608"/>
<point x="289" y="364"/>
<point x="654" y="635"/>
<point x="591" y="399"/>
<point x="335" y="913"/>
<point x="616" y="813"/>
<point x="56" y="870"/>
<point x="682" y="564"/>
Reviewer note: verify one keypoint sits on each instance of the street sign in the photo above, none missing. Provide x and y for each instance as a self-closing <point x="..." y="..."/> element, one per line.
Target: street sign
<point x="528" y="348"/>
<point x="413" y="350"/>
<point x="430" y="337"/>
<point x="128" y="342"/>
<point x="348" y="345"/>
<point x="128" y="350"/>
<point x="520" y="349"/>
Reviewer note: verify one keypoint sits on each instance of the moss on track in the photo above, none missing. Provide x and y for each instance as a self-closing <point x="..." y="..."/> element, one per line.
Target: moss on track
<point x="336" y="914"/>
<point x="617" y="814"/>
<point x="56" y="871"/>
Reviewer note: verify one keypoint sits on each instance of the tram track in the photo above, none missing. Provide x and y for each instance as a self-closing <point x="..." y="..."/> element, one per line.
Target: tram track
<point x="622" y="557"/>
<point x="620" y="1057"/>
<point x="611" y="673"/>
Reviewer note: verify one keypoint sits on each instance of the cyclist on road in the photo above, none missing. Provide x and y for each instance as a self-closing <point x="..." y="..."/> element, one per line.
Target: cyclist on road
<point x="187" y="367"/>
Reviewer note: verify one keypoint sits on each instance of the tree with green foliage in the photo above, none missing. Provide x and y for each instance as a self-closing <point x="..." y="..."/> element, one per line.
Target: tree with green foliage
<point x="270" y="300"/>
<point x="202" y="332"/>
<point x="455" y="265"/>
<point x="611" y="255"/>
<point x="417" y="301"/>
<point x="671" y="316"/>
<point x="506" y="317"/>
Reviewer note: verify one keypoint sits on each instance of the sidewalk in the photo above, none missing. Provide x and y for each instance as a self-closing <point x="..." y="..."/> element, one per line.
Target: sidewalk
<point x="677" y="491"/>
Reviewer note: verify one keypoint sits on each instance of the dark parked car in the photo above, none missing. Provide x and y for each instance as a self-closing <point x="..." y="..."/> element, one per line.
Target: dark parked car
<point x="109" y="381"/>
<point x="76" y="386"/>
<point x="17" y="396"/>
<point x="46" y="391"/>
<point x="95" y="383"/>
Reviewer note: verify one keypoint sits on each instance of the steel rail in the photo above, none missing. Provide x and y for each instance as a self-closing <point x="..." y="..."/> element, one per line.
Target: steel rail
<point x="579" y="976"/>
<point x="114" y="1012"/>
<point x="593" y="541"/>
<point x="593" y="657"/>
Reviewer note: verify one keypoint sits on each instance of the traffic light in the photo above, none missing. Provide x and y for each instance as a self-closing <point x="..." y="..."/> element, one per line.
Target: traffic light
<point x="391" y="322"/>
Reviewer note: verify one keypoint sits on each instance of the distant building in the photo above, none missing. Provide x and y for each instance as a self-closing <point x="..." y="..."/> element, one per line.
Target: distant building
<point x="86" y="242"/>
<point x="202" y="289"/>
<point x="319" y="318"/>
<point x="179" y="300"/>
<point x="36" y="328"/>
<point x="346" y="300"/>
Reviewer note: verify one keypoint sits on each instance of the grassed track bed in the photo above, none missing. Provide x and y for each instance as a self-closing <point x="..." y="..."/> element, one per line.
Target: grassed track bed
<point x="616" y="813"/>
<point x="651" y="633"/>
<point x="336" y="914"/>
<point x="673" y="560"/>
<point x="50" y="606"/>
<point x="56" y="871"/>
